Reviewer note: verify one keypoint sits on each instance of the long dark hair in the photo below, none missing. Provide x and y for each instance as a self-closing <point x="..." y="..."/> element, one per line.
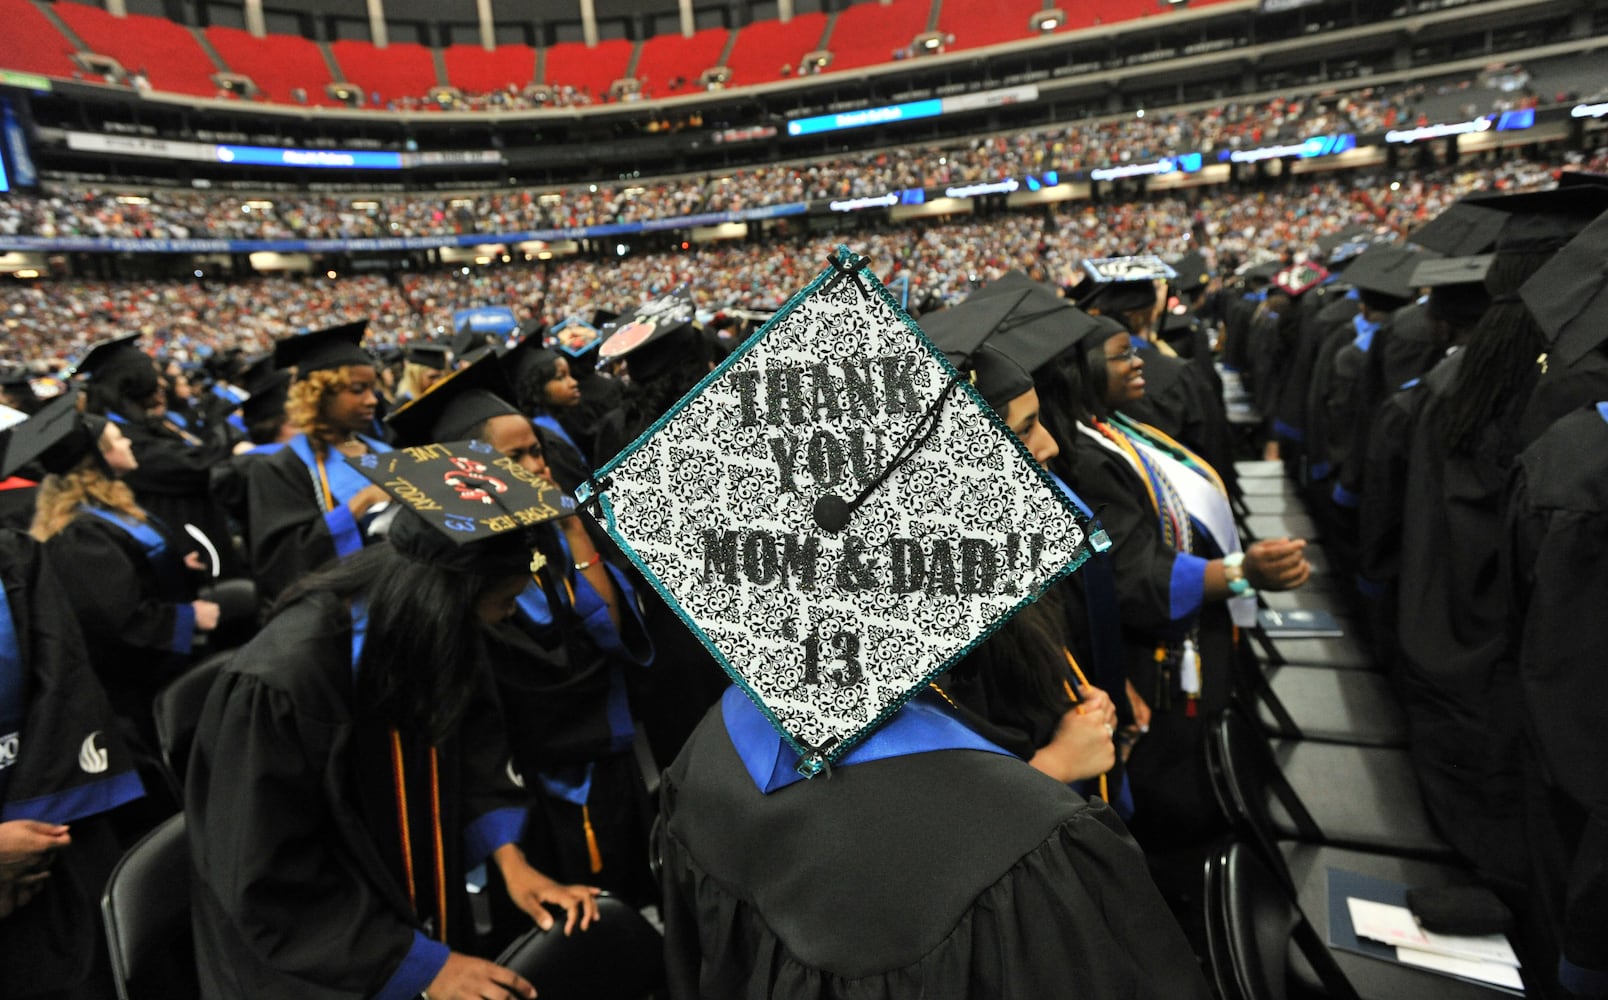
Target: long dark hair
<point x="532" y="385"/>
<point x="1024" y="663"/>
<point x="1500" y="356"/>
<point x="422" y="650"/>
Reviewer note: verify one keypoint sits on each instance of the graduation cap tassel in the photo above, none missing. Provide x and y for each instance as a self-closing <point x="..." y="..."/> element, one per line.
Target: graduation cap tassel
<point x="846" y="266"/>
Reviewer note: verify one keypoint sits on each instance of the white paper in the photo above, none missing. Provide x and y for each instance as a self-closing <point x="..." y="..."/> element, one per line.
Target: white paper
<point x="1495" y="973"/>
<point x="1396" y="925"/>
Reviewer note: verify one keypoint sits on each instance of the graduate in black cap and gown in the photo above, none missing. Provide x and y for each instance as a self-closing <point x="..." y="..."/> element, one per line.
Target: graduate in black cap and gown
<point x="563" y="661"/>
<point x="305" y="505"/>
<point x="131" y="583"/>
<point x="175" y="462"/>
<point x="1183" y="581"/>
<point x="544" y="389"/>
<point x="351" y="764"/>
<point x="63" y="767"/>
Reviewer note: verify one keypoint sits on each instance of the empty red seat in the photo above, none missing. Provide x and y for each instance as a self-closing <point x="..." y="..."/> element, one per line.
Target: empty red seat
<point x="473" y="70"/>
<point x="762" y="48"/>
<point x="572" y="64"/>
<point x="170" y="56"/>
<point x="401" y="69"/>
<point x="31" y="43"/>
<point x="868" y="33"/>
<point x="665" y="57"/>
<point x="277" y="64"/>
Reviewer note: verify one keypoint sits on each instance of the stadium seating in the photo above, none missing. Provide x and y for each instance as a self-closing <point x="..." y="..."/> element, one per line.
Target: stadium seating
<point x="976" y="25"/>
<point x="764" y="46"/>
<point x="402" y="69"/>
<point x="473" y="70"/>
<point x="33" y="45"/>
<point x="868" y="33"/>
<point x="665" y="57"/>
<point x="170" y="56"/>
<point x="277" y="64"/>
<point x="575" y="65"/>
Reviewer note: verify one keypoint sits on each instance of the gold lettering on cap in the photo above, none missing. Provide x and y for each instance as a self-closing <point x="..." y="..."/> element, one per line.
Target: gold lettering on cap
<point x="424" y="453"/>
<point x="411" y="494"/>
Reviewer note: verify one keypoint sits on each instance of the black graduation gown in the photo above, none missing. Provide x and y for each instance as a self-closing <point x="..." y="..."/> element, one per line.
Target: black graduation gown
<point x="17" y="503"/>
<point x="1322" y="311"/>
<point x="287" y="534"/>
<point x="134" y="610"/>
<point x="1184" y="405"/>
<point x="1558" y="557"/>
<point x="68" y="765"/>
<point x="1383" y="508"/>
<point x="1453" y="611"/>
<point x="299" y="891"/>
<point x="943" y="875"/>
<point x="1160" y="600"/>
<point x="173" y="481"/>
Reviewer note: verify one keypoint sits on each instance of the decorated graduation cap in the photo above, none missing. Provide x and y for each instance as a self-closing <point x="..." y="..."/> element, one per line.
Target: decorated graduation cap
<point x="1298" y="279"/>
<point x="1383" y="276"/>
<point x="575" y="337"/>
<point x="649" y="338"/>
<point x="456" y="405"/>
<point x="836" y="514"/>
<point x="57" y="437"/>
<point x="465" y="507"/>
<point x="1568" y="296"/>
<point x="321" y="350"/>
<point x="1122" y="284"/>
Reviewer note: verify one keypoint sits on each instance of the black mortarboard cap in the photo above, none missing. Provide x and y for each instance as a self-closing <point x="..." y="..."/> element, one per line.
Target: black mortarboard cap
<point x="1383" y="274"/>
<point x="526" y="357"/>
<point x="455" y="405"/>
<point x="260" y="370"/>
<point x="1023" y="318"/>
<point x="998" y="377"/>
<point x="319" y="350"/>
<point x="1584" y="201"/>
<point x="1122" y="284"/>
<point x="1327" y="245"/>
<point x="268" y="398"/>
<point x="1264" y="271"/>
<point x="1193" y="273"/>
<point x="57" y="437"/>
<point x="468" y="343"/>
<point x="430" y="354"/>
<point x="111" y="355"/>
<point x="1568" y="296"/>
<point x="1437" y="272"/>
<point x="465" y="507"/>
<point x="1464" y="229"/>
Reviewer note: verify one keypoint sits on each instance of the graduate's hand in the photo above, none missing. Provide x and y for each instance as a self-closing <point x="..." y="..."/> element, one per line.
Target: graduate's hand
<point x="533" y="892"/>
<point x="467" y="978"/>
<point x="367" y="497"/>
<point x="192" y="560"/>
<point x="1092" y="700"/>
<point x="206" y="615"/>
<point x="1081" y="748"/>
<point x="25" y="846"/>
<point x="1141" y="709"/>
<point x="1277" y="564"/>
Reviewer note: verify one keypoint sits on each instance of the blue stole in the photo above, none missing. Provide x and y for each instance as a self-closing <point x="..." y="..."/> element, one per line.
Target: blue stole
<point x="13" y="692"/>
<point x="918" y="727"/>
<point x="1602" y="409"/>
<point x="149" y="539"/>
<point x="1365" y="332"/>
<point x="345" y="482"/>
<point x="550" y="422"/>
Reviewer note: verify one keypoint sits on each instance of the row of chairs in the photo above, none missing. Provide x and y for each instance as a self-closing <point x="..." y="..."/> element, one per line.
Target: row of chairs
<point x="1311" y="767"/>
<point x="146" y="904"/>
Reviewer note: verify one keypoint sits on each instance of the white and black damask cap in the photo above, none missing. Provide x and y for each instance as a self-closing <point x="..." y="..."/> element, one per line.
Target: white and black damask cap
<point x="836" y="513"/>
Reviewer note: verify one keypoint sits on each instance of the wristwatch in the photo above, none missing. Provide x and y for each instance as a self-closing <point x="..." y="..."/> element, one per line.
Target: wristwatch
<point x="1234" y="572"/>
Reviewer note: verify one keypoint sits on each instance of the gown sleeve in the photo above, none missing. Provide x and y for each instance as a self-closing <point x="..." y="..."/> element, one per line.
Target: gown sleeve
<point x="276" y="897"/>
<point x="494" y="806"/>
<point x="111" y="596"/>
<point x="287" y="535"/>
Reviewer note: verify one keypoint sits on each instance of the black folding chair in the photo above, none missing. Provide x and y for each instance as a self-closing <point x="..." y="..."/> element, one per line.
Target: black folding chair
<point x="176" y="710"/>
<point x="146" y="909"/>
<point x="620" y="957"/>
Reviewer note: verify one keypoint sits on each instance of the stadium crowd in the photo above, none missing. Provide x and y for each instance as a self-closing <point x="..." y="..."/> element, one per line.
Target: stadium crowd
<point x="943" y="262"/>
<point x="1098" y="142"/>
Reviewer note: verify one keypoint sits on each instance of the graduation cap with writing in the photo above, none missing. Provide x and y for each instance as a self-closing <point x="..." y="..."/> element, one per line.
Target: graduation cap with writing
<point x="57" y="437"/>
<point x="1383" y="275"/>
<point x="456" y="405"/>
<point x="1568" y="296"/>
<point x="1122" y="284"/>
<point x="836" y="514"/>
<point x="321" y="350"/>
<point x="465" y="507"/>
<point x="1297" y="279"/>
<point x="650" y="338"/>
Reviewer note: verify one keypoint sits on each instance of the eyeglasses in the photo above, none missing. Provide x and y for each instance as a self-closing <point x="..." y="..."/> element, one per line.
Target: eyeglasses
<point x="1127" y="354"/>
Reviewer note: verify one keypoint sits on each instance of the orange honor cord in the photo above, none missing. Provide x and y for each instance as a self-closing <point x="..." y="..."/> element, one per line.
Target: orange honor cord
<point x="397" y="776"/>
<point x="593" y="852"/>
<point x="440" y="846"/>
<point x="1071" y="661"/>
<point x="323" y="479"/>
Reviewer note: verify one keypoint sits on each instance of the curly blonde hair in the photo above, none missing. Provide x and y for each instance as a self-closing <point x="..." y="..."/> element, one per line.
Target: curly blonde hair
<point x="60" y="496"/>
<point x="305" y="406"/>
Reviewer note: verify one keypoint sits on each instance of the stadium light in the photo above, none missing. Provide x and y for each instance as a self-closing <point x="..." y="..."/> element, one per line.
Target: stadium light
<point x="1046" y="21"/>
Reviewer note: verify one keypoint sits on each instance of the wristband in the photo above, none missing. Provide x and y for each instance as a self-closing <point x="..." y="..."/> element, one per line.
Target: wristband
<point x="581" y="567"/>
<point x="1240" y="587"/>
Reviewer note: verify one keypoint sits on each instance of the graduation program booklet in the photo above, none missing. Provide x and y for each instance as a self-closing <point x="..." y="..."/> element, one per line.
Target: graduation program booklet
<point x="1299" y="623"/>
